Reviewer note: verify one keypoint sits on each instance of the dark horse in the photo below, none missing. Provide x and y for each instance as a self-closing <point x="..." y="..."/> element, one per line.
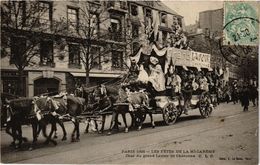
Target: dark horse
<point x="139" y="103"/>
<point x="121" y="102"/>
<point x="107" y="97"/>
<point x="72" y="107"/>
<point x="25" y="111"/>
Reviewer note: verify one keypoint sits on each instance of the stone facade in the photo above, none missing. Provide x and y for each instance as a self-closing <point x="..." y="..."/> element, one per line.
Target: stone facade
<point x="111" y="50"/>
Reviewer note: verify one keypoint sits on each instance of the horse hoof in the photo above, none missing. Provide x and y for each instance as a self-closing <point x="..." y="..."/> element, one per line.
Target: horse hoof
<point x="126" y="130"/>
<point x="100" y="132"/>
<point x="109" y="133"/>
<point x="17" y="146"/>
<point x="64" y="138"/>
<point x="25" y="139"/>
<point x="153" y="125"/>
<point x="55" y="143"/>
<point x="86" y="132"/>
<point x="12" y="144"/>
<point x="30" y="148"/>
<point x="139" y="128"/>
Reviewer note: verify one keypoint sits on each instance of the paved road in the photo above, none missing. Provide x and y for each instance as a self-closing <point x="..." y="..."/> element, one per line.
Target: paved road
<point x="229" y="136"/>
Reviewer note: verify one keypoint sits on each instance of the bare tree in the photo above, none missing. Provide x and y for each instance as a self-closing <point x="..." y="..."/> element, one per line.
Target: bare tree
<point x="23" y="25"/>
<point x="94" y="30"/>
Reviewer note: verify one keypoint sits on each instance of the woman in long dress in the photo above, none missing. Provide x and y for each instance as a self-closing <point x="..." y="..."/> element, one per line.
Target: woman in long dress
<point x="157" y="76"/>
<point x="143" y="76"/>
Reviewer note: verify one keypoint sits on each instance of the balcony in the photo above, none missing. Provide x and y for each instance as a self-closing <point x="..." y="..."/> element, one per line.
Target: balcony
<point x="113" y="36"/>
<point x="117" y="6"/>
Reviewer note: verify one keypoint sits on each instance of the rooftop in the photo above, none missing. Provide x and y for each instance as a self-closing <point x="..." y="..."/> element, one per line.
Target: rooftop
<point x="211" y="10"/>
<point x="158" y="5"/>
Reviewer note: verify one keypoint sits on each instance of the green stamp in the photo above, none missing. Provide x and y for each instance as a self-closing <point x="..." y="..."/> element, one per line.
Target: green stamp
<point x="241" y="23"/>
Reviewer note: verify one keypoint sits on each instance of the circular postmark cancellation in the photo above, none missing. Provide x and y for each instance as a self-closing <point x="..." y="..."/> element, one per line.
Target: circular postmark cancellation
<point x="240" y="23"/>
<point x="239" y="44"/>
<point x="239" y="55"/>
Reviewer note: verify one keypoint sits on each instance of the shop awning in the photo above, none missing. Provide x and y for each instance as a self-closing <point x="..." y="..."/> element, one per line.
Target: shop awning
<point x="105" y="75"/>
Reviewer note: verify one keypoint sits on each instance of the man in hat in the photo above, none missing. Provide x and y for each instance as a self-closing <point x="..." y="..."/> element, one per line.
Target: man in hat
<point x="245" y="97"/>
<point x="187" y="95"/>
<point x="174" y="80"/>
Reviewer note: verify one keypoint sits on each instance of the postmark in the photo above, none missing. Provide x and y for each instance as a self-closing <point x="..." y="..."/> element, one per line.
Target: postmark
<point x="240" y="23"/>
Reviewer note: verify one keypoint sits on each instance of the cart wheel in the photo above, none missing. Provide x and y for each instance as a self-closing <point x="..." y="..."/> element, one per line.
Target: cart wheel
<point x="170" y="113"/>
<point x="204" y="105"/>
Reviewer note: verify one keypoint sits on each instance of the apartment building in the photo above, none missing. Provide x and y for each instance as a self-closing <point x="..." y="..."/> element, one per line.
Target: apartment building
<point x="101" y="34"/>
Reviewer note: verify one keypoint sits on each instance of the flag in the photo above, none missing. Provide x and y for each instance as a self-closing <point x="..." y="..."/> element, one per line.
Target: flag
<point x="155" y="26"/>
<point x="153" y="35"/>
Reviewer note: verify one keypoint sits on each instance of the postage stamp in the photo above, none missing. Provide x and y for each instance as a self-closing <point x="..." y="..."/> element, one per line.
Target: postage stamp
<point x="241" y="23"/>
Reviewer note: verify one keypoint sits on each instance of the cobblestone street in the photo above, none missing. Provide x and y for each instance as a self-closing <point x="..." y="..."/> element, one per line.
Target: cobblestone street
<point x="219" y="139"/>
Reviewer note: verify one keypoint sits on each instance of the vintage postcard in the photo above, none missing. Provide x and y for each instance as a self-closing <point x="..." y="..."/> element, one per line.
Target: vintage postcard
<point x="129" y="82"/>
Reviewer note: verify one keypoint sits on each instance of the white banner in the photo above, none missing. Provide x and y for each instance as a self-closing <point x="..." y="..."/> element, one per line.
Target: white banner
<point x="201" y="60"/>
<point x="188" y="58"/>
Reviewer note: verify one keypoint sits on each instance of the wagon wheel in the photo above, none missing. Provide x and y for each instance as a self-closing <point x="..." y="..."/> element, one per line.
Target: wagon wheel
<point x="170" y="113"/>
<point x="204" y="105"/>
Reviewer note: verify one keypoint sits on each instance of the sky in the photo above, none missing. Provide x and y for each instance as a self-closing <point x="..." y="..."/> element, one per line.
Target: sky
<point x="190" y="9"/>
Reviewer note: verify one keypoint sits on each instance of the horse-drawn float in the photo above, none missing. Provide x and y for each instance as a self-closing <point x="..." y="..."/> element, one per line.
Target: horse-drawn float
<point x="170" y="86"/>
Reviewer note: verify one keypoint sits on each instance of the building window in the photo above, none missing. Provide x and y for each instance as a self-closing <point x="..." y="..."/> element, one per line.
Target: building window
<point x="148" y="13"/>
<point x="73" y="18"/>
<point x="94" y="24"/>
<point x="74" y="55"/>
<point x="46" y="52"/>
<point x="18" y="49"/>
<point x="179" y="21"/>
<point x="123" y="5"/>
<point x="117" y="59"/>
<point x="17" y="10"/>
<point x="11" y="85"/>
<point x="163" y="19"/>
<point x="95" y="57"/>
<point x="110" y="4"/>
<point x="148" y="17"/>
<point x="134" y="10"/>
<point x="45" y="8"/>
<point x="115" y="29"/>
<point x="135" y="31"/>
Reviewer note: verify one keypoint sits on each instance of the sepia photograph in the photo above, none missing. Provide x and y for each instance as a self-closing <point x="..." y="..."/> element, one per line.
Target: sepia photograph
<point x="129" y="82"/>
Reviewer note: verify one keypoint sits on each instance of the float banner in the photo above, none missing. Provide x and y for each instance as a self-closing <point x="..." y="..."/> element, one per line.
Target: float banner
<point x="201" y="60"/>
<point x="179" y="57"/>
<point x="188" y="58"/>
